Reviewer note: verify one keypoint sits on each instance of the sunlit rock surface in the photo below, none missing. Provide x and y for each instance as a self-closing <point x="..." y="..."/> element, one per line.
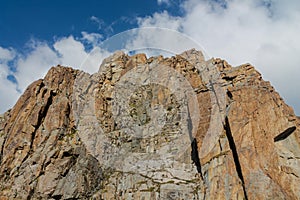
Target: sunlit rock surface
<point x="151" y="128"/>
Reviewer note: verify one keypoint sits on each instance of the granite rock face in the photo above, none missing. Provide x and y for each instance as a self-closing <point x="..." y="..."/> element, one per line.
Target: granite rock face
<point x="151" y="128"/>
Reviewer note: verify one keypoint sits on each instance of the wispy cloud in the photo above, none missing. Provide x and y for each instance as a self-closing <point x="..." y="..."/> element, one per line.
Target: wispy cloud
<point x="91" y="38"/>
<point x="6" y="54"/>
<point x="99" y="22"/>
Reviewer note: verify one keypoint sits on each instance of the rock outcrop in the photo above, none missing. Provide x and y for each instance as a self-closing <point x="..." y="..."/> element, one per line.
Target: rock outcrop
<point x="151" y="128"/>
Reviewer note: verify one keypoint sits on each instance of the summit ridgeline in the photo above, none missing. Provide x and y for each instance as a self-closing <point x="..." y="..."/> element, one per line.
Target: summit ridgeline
<point x="151" y="128"/>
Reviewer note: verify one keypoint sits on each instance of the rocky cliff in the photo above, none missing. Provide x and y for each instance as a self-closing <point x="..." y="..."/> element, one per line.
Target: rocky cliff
<point x="151" y="128"/>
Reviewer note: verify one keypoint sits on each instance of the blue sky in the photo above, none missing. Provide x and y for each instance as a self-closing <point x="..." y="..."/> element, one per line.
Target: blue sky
<point x="21" y="21"/>
<point x="35" y="35"/>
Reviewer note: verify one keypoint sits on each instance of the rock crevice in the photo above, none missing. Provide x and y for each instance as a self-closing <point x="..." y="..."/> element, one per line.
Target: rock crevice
<point x="235" y="155"/>
<point x="151" y="128"/>
<point x="285" y="134"/>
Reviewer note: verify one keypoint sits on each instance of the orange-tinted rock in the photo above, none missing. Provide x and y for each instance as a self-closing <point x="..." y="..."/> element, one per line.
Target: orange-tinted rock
<point x="151" y="128"/>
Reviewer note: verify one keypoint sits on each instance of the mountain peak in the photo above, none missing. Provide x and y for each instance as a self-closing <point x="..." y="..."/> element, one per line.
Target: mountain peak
<point x="151" y="128"/>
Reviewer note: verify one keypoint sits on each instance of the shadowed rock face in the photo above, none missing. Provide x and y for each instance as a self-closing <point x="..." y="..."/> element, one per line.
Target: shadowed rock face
<point x="151" y="128"/>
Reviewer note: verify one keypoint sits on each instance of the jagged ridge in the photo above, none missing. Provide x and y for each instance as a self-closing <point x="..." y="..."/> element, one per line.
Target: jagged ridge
<point x="63" y="140"/>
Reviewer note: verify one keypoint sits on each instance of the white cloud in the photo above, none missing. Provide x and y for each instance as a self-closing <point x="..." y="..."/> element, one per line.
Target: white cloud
<point x="262" y="32"/>
<point x="92" y="38"/>
<point x="163" y="20"/>
<point x="34" y="65"/>
<point x="6" y="54"/>
<point x="8" y="92"/>
<point x="8" y="89"/>
<point x="71" y="52"/>
<point x="156" y="41"/>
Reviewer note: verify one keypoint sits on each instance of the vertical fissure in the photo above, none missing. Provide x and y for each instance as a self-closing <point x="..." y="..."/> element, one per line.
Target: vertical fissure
<point x="195" y="156"/>
<point x="194" y="145"/>
<point x="235" y="155"/>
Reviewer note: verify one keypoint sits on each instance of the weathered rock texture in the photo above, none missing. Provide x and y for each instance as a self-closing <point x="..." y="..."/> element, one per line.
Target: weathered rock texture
<point x="151" y="128"/>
